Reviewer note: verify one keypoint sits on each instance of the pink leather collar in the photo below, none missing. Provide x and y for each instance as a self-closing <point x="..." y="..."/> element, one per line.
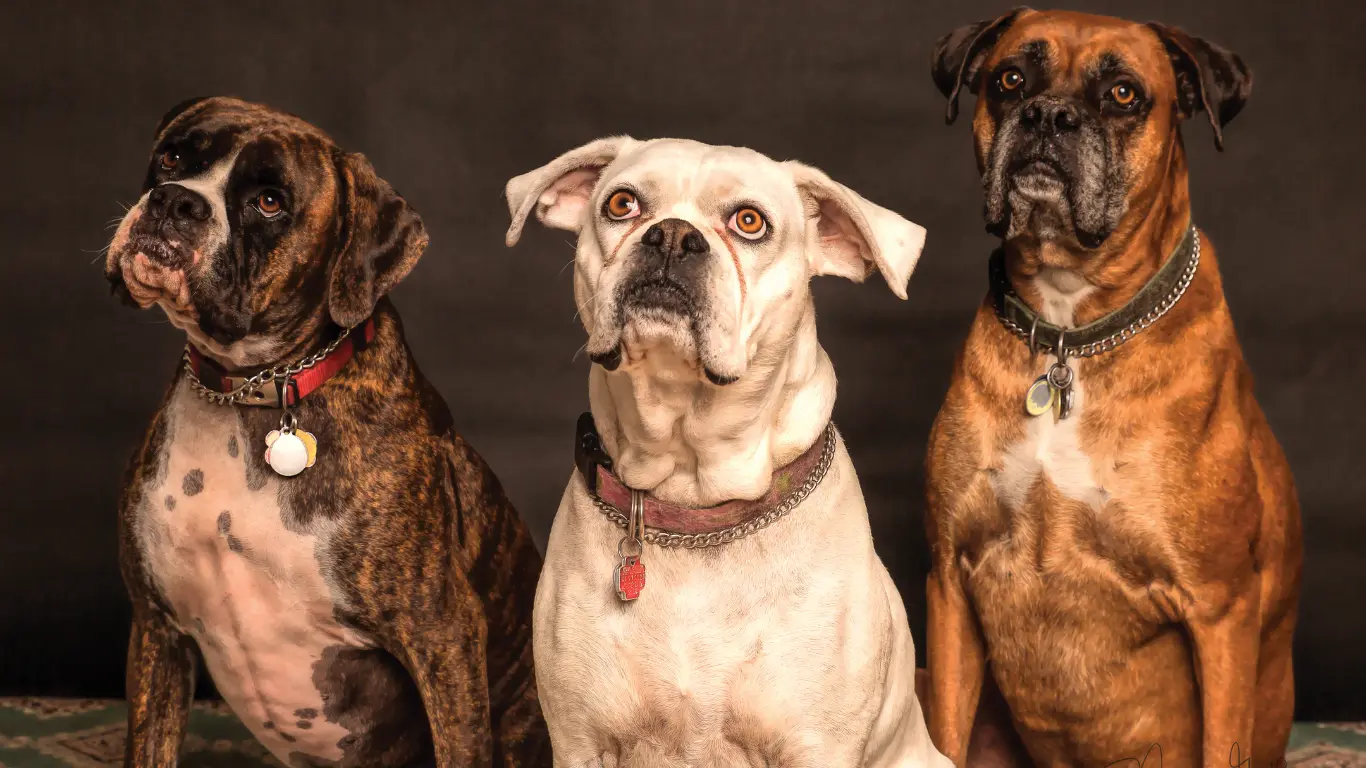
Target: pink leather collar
<point x="791" y="483"/>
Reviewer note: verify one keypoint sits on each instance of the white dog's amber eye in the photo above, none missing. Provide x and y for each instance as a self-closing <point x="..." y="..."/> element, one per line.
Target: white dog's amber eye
<point x="748" y="223"/>
<point x="1011" y="79"/>
<point x="269" y="203"/>
<point x="170" y="160"/>
<point x="621" y="205"/>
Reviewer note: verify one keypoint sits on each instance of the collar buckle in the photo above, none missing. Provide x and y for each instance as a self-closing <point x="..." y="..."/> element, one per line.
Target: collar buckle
<point x="589" y="453"/>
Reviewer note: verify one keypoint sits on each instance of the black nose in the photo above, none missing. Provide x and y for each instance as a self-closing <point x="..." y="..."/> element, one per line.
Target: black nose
<point x="1050" y="116"/>
<point x="675" y="239"/>
<point x="177" y="203"/>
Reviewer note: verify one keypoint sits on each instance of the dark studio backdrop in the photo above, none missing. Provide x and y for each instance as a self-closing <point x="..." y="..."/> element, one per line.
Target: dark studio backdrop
<point x="449" y="100"/>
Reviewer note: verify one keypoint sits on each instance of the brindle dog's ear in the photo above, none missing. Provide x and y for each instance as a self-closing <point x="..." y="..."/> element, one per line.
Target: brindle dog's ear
<point x="958" y="57"/>
<point x="175" y="112"/>
<point x="1208" y="77"/>
<point x="382" y="238"/>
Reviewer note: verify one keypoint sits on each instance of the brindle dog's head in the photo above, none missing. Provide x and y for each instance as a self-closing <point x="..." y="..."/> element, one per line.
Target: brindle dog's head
<point x="1078" y="116"/>
<point x="255" y="233"/>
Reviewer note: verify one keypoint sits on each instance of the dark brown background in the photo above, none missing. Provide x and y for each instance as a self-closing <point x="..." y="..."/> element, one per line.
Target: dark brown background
<point x="449" y="102"/>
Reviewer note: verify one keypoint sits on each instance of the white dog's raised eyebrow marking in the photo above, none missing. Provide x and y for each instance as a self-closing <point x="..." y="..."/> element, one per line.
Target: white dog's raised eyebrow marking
<point x="735" y="259"/>
<point x="613" y="256"/>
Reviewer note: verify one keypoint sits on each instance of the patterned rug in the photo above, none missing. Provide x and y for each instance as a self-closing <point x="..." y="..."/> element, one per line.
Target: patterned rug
<point x="74" y="733"/>
<point x="66" y="733"/>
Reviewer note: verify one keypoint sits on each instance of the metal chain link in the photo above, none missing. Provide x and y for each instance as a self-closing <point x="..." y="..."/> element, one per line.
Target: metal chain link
<point x="260" y="379"/>
<point x="1133" y="329"/>
<point x="739" y="530"/>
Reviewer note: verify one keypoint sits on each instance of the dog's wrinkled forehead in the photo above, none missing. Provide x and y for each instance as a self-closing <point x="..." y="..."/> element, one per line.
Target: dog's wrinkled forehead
<point x="1075" y="49"/>
<point x="676" y="172"/>
<point x="202" y="138"/>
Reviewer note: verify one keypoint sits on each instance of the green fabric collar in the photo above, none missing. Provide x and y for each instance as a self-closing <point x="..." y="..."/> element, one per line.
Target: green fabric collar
<point x="1152" y="301"/>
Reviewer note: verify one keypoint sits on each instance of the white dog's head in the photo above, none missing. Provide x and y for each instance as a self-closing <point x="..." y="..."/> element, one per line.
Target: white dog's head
<point x="707" y="251"/>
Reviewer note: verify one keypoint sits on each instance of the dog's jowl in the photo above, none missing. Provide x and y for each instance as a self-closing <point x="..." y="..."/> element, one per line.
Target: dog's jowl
<point x="302" y="514"/>
<point x="1115" y="534"/>
<point x="711" y="596"/>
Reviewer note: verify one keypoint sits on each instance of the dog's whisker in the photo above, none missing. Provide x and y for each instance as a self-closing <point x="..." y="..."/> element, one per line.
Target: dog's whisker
<point x="99" y="253"/>
<point x="591" y="300"/>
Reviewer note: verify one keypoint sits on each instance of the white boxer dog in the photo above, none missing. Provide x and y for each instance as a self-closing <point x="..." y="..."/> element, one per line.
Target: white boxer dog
<point x="710" y="595"/>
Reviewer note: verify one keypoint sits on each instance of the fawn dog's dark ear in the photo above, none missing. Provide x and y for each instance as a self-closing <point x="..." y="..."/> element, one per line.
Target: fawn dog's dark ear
<point x="1208" y="77"/>
<point x="958" y="56"/>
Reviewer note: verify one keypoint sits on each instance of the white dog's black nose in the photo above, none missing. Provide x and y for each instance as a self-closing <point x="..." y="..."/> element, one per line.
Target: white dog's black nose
<point x="178" y="204"/>
<point x="675" y="239"/>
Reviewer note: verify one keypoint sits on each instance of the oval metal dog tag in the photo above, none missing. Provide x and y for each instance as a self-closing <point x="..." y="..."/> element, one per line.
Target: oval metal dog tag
<point x="1040" y="397"/>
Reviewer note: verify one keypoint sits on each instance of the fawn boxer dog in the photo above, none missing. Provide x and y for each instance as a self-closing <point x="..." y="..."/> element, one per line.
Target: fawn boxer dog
<point x="711" y="596"/>
<point x="348" y="568"/>
<point x="1115" y="534"/>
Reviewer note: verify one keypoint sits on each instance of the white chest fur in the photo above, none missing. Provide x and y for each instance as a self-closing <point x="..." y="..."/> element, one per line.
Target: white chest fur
<point x="249" y="586"/>
<point x="789" y="647"/>
<point x="1050" y="450"/>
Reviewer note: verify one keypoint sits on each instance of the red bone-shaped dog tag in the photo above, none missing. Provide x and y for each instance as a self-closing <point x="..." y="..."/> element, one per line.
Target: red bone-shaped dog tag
<point x="629" y="578"/>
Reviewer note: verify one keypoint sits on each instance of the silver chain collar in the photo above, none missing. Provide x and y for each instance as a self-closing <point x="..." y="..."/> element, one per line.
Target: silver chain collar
<point x="259" y="380"/>
<point x="739" y="530"/>
<point x="1128" y="332"/>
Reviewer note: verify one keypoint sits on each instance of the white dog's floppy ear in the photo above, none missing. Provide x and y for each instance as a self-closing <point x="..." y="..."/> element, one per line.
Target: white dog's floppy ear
<point x="559" y="190"/>
<point x="855" y="236"/>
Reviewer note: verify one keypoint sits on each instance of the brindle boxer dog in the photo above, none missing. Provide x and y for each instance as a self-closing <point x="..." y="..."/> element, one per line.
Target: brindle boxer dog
<point x="1123" y="566"/>
<point x="373" y="609"/>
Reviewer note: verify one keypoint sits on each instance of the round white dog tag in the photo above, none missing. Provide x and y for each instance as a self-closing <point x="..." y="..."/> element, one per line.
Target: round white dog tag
<point x="288" y="456"/>
<point x="290" y="453"/>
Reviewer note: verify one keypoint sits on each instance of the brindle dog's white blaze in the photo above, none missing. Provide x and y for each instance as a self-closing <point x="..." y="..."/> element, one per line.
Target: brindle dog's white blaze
<point x="251" y="592"/>
<point x="790" y="647"/>
<point x="212" y="185"/>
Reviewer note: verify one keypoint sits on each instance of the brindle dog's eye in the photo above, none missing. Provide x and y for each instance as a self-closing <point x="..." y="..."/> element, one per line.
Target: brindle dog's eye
<point x="269" y="203"/>
<point x="1012" y="79"/>
<point x="170" y="160"/>
<point x="1124" y="95"/>
<point x="621" y="205"/>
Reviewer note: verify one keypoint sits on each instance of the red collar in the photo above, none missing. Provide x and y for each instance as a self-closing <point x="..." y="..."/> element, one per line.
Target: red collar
<point x="297" y="386"/>
<point x="791" y="484"/>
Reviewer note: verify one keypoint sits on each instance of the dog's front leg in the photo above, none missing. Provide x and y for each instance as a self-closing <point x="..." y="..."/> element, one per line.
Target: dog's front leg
<point x="160" y="682"/>
<point x="445" y="655"/>
<point x="1226" y="649"/>
<point x="955" y="658"/>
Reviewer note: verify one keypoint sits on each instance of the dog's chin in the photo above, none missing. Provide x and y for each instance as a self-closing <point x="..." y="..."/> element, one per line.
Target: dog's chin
<point x="662" y="341"/>
<point x="141" y="270"/>
<point x="1039" y="209"/>
<point x="655" y="328"/>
